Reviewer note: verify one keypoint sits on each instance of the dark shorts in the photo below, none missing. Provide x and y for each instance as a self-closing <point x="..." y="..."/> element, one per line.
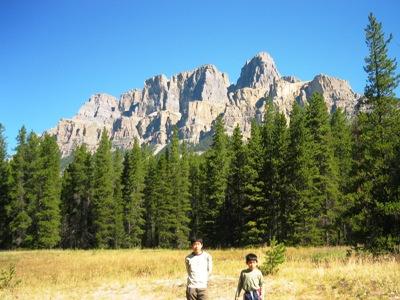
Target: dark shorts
<point x="252" y="295"/>
<point x="196" y="294"/>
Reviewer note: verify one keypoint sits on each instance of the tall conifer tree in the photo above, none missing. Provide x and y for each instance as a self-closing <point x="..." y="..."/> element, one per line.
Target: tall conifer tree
<point x="342" y="149"/>
<point x="76" y="201"/>
<point x="133" y="185"/>
<point x="232" y="213"/>
<point x="275" y="145"/>
<point x="150" y="195"/>
<point x="254" y="186"/>
<point x="324" y="180"/>
<point x="216" y="166"/>
<point x="196" y="193"/>
<point x="118" y="234"/>
<point x="17" y="210"/>
<point x="301" y="218"/>
<point x="104" y="219"/>
<point x="4" y="191"/>
<point x="47" y="216"/>
<point x="376" y="206"/>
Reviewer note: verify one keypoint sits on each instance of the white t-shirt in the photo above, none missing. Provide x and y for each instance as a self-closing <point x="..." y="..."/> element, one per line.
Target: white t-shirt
<point x="198" y="268"/>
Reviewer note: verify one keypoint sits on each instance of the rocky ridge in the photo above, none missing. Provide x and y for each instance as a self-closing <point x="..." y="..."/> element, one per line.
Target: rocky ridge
<point x="192" y="101"/>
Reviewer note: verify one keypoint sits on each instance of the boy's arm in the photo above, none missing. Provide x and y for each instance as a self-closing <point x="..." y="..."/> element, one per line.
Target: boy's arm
<point x="239" y="287"/>
<point x="261" y="283"/>
<point x="210" y="265"/>
<point x="187" y="265"/>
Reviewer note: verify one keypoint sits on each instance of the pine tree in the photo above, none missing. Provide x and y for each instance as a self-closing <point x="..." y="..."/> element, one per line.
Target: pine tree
<point x="76" y="201"/>
<point x="181" y="192"/>
<point x="150" y="195"/>
<point x="20" y="221"/>
<point x="232" y="216"/>
<point x="275" y="145"/>
<point x="4" y="191"/>
<point x="324" y="180"/>
<point x="342" y="149"/>
<point x="165" y="218"/>
<point x="196" y="194"/>
<point x="47" y="216"/>
<point x="32" y="171"/>
<point x="253" y="188"/>
<point x="133" y="185"/>
<point x="302" y="219"/>
<point x="381" y="70"/>
<point x="104" y="219"/>
<point x="376" y="205"/>
<point x="214" y="187"/>
<point x="267" y="172"/>
<point x="119" y="235"/>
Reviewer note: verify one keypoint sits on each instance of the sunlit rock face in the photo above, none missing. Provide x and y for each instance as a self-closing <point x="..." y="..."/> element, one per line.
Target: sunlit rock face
<point x="191" y="101"/>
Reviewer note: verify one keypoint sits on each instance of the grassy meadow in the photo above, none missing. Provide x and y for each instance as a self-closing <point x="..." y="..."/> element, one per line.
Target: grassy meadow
<point x="308" y="273"/>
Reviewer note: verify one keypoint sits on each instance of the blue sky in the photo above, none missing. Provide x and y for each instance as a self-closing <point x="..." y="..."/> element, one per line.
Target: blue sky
<point x="55" y="54"/>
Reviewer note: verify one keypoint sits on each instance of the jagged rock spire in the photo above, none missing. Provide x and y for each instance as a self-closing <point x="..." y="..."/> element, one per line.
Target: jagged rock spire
<point x="259" y="72"/>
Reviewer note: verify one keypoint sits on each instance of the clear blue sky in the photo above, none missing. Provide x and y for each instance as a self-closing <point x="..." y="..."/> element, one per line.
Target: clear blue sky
<point x="55" y="54"/>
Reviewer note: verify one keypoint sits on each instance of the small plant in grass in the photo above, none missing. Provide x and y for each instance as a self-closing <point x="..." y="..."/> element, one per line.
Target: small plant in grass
<point x="8" y="278"/>
<point x="274" y="257"/>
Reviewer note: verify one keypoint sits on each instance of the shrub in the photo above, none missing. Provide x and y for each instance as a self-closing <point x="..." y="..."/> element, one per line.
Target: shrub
<point x="273" y="258"/>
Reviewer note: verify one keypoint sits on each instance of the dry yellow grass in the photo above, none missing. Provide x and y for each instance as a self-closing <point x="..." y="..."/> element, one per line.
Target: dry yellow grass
<point x="308" y="273"/>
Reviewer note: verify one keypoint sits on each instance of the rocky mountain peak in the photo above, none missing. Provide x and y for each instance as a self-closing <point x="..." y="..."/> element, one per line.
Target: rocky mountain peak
<point x="191" y="101"/>
<point x="259" y="72"/>
<point x="100" y="108"/>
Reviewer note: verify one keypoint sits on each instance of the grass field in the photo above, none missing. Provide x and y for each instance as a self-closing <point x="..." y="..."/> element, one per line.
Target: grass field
<point x="308" y="273"/>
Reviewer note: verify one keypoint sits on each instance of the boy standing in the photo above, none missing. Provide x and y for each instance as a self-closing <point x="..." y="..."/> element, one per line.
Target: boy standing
<point x="250" y="280"/>
<point x="199" y="267"/>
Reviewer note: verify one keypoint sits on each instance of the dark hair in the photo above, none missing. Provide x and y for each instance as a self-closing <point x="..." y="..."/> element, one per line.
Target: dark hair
<point x="196" y="239"/>
<point x="251" y="257"/>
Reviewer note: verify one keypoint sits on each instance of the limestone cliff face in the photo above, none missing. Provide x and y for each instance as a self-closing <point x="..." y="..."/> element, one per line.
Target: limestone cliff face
<point x="192" y="101"/>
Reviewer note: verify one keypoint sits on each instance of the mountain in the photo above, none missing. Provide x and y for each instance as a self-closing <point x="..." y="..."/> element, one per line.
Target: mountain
<point x="192" y="101"/>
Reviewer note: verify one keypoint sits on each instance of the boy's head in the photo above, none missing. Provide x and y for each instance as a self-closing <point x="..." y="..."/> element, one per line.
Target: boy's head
<point x="197" y="245"/>
<point x="251" y="261"/>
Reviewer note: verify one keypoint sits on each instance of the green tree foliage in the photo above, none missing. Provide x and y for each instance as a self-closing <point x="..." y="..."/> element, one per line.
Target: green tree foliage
<point x="275" y="147"/>
<point x="274" y="257"/>
<point x="214" y="186"/>
<point x="232" y="212"/>
<point x="165" y="220"/>
<point x="132" y="194"/>
<point x="76" y="201"/>
<point x="168" y="198"/>
<point x="180" y="192"/>
<point x="150" y="195"/>
<point x="196" y="165"/>
<point x="324" y="193"/>
<point x="105" y="220"/>
<point x="253" y="202"/>
<point x="17" y="210"/>
<point x="381" y="70"/>
<point x="342" y="150"/>
<point x="301" y="216"/>
<point x="4" y="191"/>
<point x="119" y="235"/>
<point x="376" y="207"/>
<point x="32" y="188"/>
<point x="47" y="217"/>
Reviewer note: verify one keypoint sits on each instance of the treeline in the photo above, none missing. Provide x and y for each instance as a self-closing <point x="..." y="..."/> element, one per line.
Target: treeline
<point x="322" y="179"/>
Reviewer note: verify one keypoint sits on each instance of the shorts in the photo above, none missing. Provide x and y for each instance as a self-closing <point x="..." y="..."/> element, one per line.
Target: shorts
<point x="196" y="294"/>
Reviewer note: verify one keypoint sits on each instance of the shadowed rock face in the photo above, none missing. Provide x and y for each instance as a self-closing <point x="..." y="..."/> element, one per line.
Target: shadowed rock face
<point x="192" y="101"/>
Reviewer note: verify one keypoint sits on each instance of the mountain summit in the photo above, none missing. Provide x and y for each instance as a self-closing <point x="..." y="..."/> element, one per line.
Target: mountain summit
<point x="192" y="101"/>
<point x="259" y="72"/>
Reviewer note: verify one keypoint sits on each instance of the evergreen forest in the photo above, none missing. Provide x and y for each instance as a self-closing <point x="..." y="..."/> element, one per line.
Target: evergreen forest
<point x="320" y="179"/>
